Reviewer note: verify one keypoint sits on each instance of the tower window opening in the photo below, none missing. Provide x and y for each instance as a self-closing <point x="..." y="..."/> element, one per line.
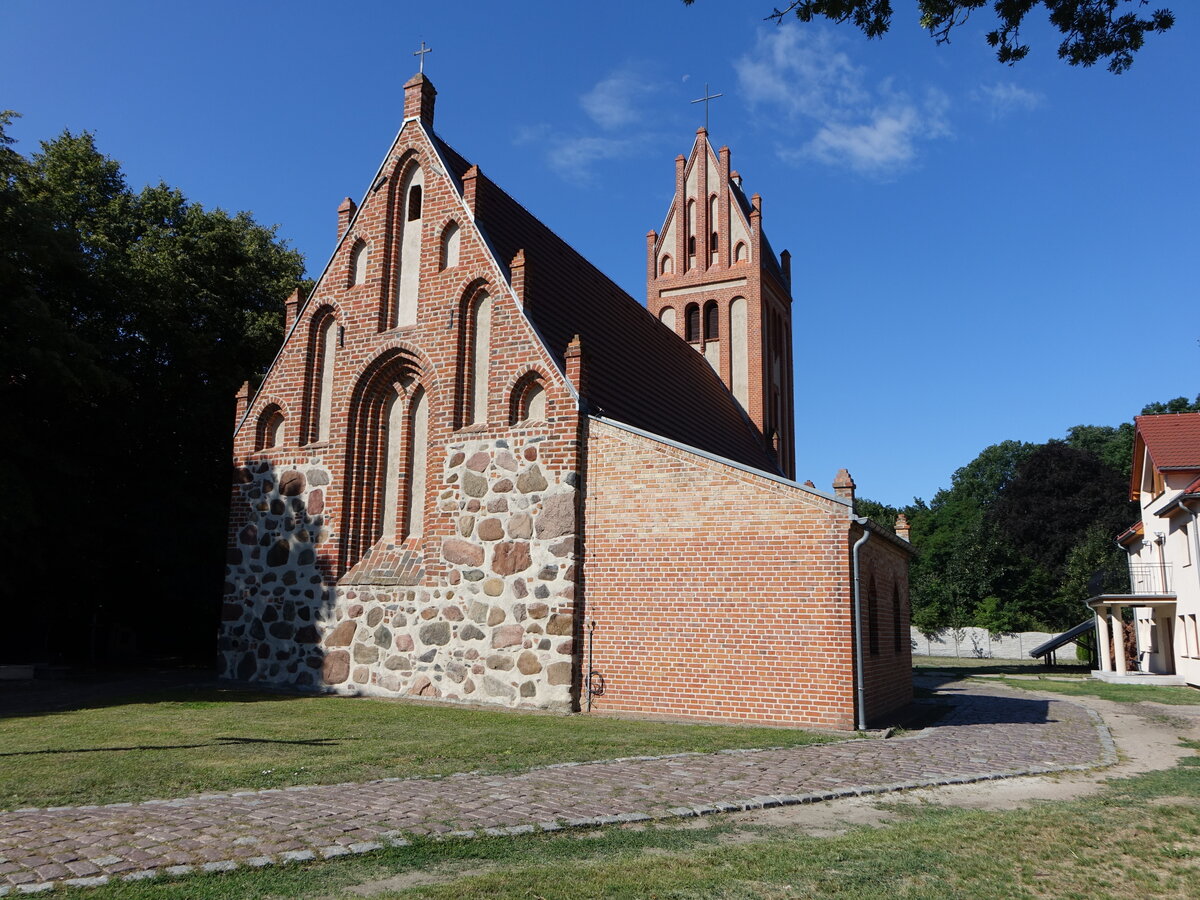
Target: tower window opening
<point x="691" y="329"/>
<point x="414" y="203"/>
<point x="712" y="321"/>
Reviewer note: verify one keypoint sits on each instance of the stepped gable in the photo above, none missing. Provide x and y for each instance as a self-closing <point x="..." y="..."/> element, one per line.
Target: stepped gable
<point x="636" y="371"/>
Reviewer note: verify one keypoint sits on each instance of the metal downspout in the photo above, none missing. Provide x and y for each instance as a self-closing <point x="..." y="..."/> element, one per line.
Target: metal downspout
<point x="860" y="686"/>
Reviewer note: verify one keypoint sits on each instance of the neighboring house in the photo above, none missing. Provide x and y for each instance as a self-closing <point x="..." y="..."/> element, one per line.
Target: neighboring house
<point x="1164" y="559"/>
<point x="479" y="471"/>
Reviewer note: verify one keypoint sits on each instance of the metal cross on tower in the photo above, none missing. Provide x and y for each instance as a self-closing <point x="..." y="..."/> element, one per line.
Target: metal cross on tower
<point x="705" y="100"/>
<point x="420" y="54"/>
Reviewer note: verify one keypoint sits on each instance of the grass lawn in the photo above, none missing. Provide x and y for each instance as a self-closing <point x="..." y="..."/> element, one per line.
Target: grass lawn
<point x="182" y="742"/>
<point x="971" y="666"/>
<point x="1140" y="837"/>
<point x="1121" y="693"/>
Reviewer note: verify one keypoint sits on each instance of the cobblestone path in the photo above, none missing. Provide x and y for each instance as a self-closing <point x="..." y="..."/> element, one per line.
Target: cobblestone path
<point x="988" y="733"/>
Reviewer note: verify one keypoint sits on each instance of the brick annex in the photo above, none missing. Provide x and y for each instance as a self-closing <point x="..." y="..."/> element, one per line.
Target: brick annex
<point x="478" y="471"/>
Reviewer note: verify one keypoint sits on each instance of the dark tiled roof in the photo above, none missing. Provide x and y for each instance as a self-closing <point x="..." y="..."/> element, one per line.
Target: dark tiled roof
<point x="635" y="369"/>
<point x="1173" y="440"/>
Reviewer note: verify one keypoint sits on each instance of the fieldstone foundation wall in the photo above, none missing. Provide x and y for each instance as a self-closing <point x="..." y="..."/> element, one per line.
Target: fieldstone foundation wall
<point x="481" y="608"/>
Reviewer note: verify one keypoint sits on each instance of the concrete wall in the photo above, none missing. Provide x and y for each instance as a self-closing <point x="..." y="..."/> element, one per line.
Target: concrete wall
<point x="978" y="643"/>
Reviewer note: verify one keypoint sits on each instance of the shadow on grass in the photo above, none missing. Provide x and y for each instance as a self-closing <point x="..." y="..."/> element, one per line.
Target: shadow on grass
<point x="100" y="689"/>
<point x="215" y="742"/>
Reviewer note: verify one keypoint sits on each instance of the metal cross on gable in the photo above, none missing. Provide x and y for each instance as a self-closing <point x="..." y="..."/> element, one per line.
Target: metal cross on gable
<point x="420" y="54"/>
<point x="705" y="100"/>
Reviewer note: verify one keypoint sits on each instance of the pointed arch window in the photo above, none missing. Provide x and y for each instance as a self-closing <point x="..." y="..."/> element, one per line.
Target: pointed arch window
<point x="712" y="321"/>
<point x="712" y="225"/>
<point x="691" y="323"/>
<point x="872" y="618"/>
<point x="667" y="317"/>
<point x="409" y="234"/>
<point x="270" y="428"/>
<point x="358" y="263"/>
<point x="740" y="252"/>
<point x="323" y="350"/>
<point x="450" y="241"/>
<point x="528" y="403"/>
<point x="666" y="267"/>
<point x="474" y="361"/>
<point x="402" y="511"/>
<point x="897" y="620"/>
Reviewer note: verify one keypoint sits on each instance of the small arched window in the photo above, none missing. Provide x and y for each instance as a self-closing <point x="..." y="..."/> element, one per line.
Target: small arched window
<point x="450" y="246"/>
<point x="667" y="317"/>
<point x="897" y="620"/>
<point x="872" y="618"/>
<point x="712" y="223"/>
<point x="666" y="266"/>
<point x="528" y="401"/>
<point x="270" y="428"/>
<point x="691" y="323"/>
<point x="358" y="263"/>
<point x="691" y="245"/>
<point x="414" y="203"/>
<point x="739" y="252"/>
<point x="712" y="321"/>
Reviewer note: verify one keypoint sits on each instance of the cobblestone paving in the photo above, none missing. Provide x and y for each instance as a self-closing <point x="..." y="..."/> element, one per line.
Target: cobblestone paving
<point x="988" y="733"/>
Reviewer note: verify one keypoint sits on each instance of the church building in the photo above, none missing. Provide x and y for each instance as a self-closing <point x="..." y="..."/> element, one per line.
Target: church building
<point x="478" y="471"/>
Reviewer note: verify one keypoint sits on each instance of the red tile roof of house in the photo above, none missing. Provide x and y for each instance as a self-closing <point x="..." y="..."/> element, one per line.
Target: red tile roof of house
<point x="635" y="370"/>
<point x="1172" y="440"/>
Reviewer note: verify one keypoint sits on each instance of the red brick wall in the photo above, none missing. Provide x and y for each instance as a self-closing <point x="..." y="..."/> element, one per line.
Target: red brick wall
<point x="716" y="593"/>
<point x="887" y="674"/>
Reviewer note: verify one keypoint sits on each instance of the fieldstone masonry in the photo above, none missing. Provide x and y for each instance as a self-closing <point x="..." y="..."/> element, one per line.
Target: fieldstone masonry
<point x="495" y="627"/>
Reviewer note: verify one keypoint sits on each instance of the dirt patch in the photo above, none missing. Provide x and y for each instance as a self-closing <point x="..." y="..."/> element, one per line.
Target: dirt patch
<point x="406" y="880"/>
<point x="1147" y="736"/>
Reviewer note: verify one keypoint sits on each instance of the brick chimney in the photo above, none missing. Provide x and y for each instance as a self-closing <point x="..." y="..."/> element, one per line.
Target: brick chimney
<point x="242" y="403"/>
<point x="843" y="486"/>
<point x="346" y="210"/>
<point x="418" y="99"/>
<point x="902" y="526"/>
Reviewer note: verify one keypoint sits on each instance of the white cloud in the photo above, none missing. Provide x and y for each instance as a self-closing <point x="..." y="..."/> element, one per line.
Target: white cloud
<point x="1004" y="98"/>
<point x="572" y="158"/>
<point x="617" y="101"/>
<point x="803" y="77"/>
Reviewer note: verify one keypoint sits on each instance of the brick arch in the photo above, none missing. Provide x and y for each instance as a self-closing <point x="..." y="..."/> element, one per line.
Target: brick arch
<point x="267" y="403"/>
<point x="442" y="229"/>
<point x="314" y="356"/>
<point x="358" y="244"/>
<point x="395" y="213"/>
<point x="463" y="369"/>
<point x="519" y="385"/>
<point x="398" y="364"/>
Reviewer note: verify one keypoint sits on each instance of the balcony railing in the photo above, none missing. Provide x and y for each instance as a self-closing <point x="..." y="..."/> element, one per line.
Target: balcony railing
<point x="1139" y="578"/>
<point x="1150" y="578"/>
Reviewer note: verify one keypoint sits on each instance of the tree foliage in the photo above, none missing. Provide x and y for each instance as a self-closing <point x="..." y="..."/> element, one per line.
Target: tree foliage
<point x="1024" y="534"/>
<point x="1092" y="30"/>
<point x="127" y="321"/>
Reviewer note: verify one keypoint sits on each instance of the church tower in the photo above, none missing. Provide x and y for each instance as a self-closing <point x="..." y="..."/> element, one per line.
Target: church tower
<point x="712" y="277"/>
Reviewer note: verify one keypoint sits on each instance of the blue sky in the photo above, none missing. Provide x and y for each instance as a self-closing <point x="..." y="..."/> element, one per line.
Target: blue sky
<point x="979" y="252"/>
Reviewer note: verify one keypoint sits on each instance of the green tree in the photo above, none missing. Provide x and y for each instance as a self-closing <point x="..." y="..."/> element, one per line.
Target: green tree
<point x="127" y="321"/>
<point x="1093" y="30"/>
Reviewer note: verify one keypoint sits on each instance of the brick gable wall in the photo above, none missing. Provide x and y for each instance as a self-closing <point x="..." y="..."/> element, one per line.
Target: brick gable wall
<point x="480" y="605"/>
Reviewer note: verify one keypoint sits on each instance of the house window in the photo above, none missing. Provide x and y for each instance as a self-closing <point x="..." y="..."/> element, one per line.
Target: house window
<point x="358" y="263"/>
<point x="691" y="323"/>
<point x="528" y="403"/>
<point x="712" y="224"/>
<point x="414" y="203"/>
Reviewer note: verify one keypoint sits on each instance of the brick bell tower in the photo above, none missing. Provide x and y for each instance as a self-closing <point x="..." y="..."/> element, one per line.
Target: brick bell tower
<point x="713" y="279"/>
